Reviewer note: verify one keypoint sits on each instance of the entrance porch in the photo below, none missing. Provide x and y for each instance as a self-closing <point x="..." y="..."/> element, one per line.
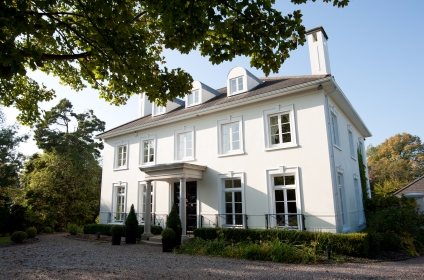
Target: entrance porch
<point x="182" y="174"/>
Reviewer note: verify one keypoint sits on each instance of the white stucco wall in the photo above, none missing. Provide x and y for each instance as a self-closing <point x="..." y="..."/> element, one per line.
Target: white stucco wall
<point x="349" y="167"/>
<point x="311" y="156"/>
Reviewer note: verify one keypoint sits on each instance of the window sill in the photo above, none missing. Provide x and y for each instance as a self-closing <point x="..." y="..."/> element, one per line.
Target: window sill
<point x="157" y="115"/>
<point x="193" y="105"/>
<point x="337" y="147"/>
<point x="185" y="160"/>
<point x="353" y="158"/>
<point x="282" y="147"/>
<point x="121" y="168"/>
<point x="231" y="154"/>
<point x="237" y="93"/>
<point x="147" y="164"/>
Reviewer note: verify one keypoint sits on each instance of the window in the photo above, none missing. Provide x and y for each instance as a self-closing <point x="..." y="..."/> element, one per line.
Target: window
<point x="343" y="207"/>
<point x="121" y="155"/>
<point x="335" y="129"/>
<point x="280" y="128"/>
<point x="184" y="144"/>
<point x="284" y="198"/>
<point x="236" y="85"/>
<point x="230" y="135"/>
<point x="359" y="205"/>
<point x="158" y="110"/>
<point x="352" y="149"/>
<point x="233" y="202"/>
<point x="143" y="200"/>
<point x="285" y="201"/>
<point x="148" y="151"/>
<point x="119" y="215"/>
<point x="193" y="98"/>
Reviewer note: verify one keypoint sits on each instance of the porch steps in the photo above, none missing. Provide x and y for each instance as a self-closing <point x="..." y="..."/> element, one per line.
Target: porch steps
<point x="157" y="240"/>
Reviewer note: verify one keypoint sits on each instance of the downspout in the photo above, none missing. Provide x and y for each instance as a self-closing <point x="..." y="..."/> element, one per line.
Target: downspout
<point x="331" y="150"/>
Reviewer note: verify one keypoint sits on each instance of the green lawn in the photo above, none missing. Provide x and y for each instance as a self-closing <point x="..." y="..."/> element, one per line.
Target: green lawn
<point x="4" y="240"/>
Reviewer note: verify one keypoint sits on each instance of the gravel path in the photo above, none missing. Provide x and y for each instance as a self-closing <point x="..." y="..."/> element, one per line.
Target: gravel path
<point x="57" y="257"/>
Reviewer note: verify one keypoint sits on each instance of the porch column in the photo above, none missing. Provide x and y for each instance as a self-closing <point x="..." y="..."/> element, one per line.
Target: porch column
<point x="183" y="209"/>
<point x="147" y="215"/>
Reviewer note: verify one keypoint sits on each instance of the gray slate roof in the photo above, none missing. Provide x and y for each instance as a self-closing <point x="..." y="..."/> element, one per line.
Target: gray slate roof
<point x="268" y="85"/>
<point x="416" y="186"/>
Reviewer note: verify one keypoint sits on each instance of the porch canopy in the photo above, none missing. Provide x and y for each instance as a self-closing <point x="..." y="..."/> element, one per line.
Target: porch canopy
<point x="170" y="172"/>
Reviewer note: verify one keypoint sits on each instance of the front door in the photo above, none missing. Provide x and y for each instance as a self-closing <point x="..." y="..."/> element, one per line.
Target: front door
<point x="191" y="203"/>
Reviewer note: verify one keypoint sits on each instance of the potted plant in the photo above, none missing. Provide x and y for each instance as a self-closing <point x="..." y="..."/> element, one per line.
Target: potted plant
<point x="116" y="232"/>
<point x="131" y="225"/>
<point x="174" y="222"/>
<point x="168" y="236"/>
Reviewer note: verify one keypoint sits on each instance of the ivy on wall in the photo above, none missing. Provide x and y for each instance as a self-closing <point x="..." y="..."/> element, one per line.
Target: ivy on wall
<point x="363" y="176"/>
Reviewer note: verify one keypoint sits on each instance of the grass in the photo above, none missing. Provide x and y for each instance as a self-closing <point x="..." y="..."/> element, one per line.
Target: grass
<point x="5" y="240"/>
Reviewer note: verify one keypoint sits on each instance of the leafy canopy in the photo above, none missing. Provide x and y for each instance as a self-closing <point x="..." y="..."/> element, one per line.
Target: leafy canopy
<point x="395" y="162"/>
<point x="63" y="184"/>
<point x="116" y="47"/>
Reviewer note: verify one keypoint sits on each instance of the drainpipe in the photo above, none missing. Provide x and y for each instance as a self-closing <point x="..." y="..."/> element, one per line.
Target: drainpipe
<point x="331" y="150"/>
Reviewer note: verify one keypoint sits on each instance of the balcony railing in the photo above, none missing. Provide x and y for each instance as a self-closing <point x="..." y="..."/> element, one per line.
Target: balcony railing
<point x="233" y="220"/>
<point x="117" y="217"/>
<point x="285" y="220"/>
<point x="156" y="219"/>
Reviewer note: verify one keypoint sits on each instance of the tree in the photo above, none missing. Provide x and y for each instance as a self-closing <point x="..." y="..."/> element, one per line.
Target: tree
<point x="116" y="48"/>
<point x="395" y="162"/>
<point x="10" y="163"/>
<point x="63" y="184"/>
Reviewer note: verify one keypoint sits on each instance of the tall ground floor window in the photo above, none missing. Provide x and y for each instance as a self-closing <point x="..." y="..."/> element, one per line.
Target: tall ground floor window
<point x="120" y="204"/>
<point x="343" y="208"/>
<point x="285" y="201"/>
<point x="233" y="202"/>
<point x="143" y="200"/>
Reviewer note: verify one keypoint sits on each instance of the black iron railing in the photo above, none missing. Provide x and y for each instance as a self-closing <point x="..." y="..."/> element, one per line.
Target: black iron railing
<point x="285" y="220"/>
<point x="233" y="220"/>
<point x="155" y="219"/>
<point x="117" y="217"/>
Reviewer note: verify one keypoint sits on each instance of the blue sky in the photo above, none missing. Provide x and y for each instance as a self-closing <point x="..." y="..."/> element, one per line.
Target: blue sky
<point x="376" y="51"/>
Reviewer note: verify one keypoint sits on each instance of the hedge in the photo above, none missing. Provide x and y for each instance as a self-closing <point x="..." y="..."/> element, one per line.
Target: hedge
<point x="350" y="244"/>
<point x="104" y="229"/>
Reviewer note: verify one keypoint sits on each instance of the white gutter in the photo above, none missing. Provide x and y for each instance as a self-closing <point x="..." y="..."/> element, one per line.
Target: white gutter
<point x="221" y="107"/>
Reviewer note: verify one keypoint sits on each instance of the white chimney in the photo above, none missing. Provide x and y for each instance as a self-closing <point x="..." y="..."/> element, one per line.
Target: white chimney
<point x="318" y="51"/>
<point x="144" y="105"/>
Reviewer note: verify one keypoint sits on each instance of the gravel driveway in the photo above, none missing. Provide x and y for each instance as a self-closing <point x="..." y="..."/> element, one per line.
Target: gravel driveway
<point x="57" y="257"/>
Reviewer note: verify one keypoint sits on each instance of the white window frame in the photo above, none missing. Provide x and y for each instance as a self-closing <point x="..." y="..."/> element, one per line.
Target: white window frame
<point x="335" y="128"/>
<point x="148" y="137"/>
<point x="238" y="91"/>
<point x="115" y="187"/>
<point x="116" y="155"/>
<point x="359" y="202"/>
<point x="156" y="108"/>
<point x="227" y="121"/>
<point x="194" y="103"/>
<point x="283" y="171"/>
<point x="351" y="144"/>
<point x="343" y="209"/>
<point x="142" y="197"/>
<point x="177" y="132"/>
<point x="278" y="110"/>
<point x="221" y="195"/>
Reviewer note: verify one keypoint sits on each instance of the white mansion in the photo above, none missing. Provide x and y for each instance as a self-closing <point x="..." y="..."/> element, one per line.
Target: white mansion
<point x="259" y="153"/>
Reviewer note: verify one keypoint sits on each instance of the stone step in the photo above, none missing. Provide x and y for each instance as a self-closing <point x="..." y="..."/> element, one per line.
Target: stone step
<point x="156" y="239"/>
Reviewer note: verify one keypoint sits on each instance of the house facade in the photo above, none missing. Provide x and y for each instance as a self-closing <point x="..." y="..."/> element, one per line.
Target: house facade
<point x="275" y="152"/>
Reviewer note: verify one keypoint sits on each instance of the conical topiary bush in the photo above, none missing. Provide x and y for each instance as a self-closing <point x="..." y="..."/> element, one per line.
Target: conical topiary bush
<point x="174" y="222"/>
<point x="131" y="225"/>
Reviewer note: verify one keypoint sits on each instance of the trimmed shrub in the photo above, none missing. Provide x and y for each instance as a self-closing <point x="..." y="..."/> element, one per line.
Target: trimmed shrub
<point x="131" y="220"/>
<point x="117" y="230"/>
<point x="18" y="236"/>
<point x="31" y="232"/>
<point x="73" y="229"/>
<point x="104" y="229"/>
<point x="174" y="222"/>
<point x="350" y="244"/>
<point x="168" y="233"/>
<point x="48" y="230"/>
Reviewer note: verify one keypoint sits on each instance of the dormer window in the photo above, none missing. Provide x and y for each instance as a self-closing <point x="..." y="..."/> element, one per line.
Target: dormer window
<point x="158" y="110"/>
<point x="236" y="85"/>
<point x="239" y="81"/>
<point x="193" y="98"/>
